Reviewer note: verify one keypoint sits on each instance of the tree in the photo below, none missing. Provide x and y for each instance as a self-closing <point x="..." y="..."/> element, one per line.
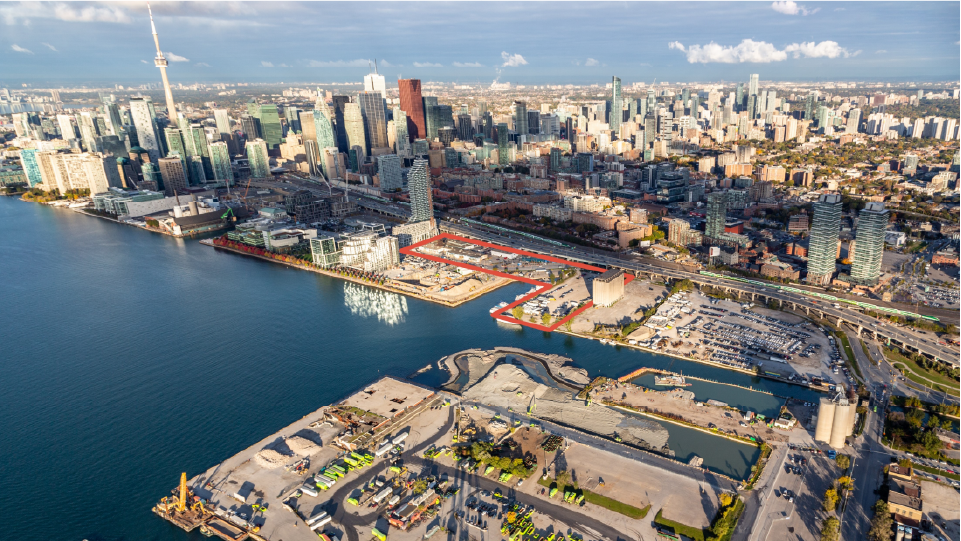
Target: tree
<point x="846" y="483"/>
<point x="843" y="461"/>
<point x="829" y="529"/>
<point x="830" y="499"/>
<point x="545" y="318"/>
<point x="881" y="523"/>
<point x="934" y="423"/>
<point x="420" y="485"/>
<point x="518" y="313"/>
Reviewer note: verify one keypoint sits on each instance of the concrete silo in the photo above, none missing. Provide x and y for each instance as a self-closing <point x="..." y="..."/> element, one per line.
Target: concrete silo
<point x="826" y="409"/>
<point x="843" y="425"/>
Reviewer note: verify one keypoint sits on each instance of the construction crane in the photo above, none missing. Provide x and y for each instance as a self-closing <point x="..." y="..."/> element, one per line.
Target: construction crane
<point x="182" y="503"/>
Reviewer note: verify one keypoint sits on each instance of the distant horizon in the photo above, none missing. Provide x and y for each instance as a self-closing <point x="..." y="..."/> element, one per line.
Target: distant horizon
<point x="576" y="43"/>
<point x="130" y="84"/>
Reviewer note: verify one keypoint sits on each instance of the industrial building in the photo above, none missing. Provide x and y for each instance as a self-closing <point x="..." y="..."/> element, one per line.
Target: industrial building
<point x="835" y="421"/>
<point x="608" y="287"/>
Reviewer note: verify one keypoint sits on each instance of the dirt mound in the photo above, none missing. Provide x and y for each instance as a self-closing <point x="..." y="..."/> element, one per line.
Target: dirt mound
<point x="302" y="446"/>
<point x="270" y="459"/>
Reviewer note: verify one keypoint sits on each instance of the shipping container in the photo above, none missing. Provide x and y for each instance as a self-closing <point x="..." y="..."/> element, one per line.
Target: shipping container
<point x="315" y="518"/>
<point x="383" y="494"/>
<point x="309" y="490"/>
<point x="400" y="437"/>
<point x="384" y="449"/>
<point x="376" y="533"/>
<point x="393" y="500"/>
<point x="321" y="523"/>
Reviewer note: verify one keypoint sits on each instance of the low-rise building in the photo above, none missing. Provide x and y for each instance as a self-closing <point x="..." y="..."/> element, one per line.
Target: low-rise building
<point x="608" y="287"/>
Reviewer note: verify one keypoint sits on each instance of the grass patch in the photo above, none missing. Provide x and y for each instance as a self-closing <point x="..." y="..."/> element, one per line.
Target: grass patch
<point x="849" y="353"/>
<point x="934" y="471"/>
<point x="912" y="367"/>
<point x="603" y="501"/>
<point x="687" y="531"/>
<point x="758" y="466"/>
<point x="864" y="347"/>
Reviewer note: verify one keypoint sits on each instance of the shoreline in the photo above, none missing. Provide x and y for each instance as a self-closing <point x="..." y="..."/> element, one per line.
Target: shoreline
<point x="384" y="287"/>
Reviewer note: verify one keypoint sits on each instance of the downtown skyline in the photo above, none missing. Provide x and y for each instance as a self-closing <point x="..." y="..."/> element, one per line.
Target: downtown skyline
<point x="581" y="43"/>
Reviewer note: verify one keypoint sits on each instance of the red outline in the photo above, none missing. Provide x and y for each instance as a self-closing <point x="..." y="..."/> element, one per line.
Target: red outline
<point x="499" y="314"/>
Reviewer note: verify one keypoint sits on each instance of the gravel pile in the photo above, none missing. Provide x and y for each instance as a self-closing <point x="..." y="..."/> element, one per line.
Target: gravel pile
<point x="270" y="459"/>
<point x="302" y="446"/>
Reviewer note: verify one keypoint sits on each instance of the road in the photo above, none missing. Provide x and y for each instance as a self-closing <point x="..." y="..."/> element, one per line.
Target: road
<point x="916" y="340"/>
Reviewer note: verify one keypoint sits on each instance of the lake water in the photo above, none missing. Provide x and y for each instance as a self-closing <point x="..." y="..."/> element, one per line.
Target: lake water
<point x="129" y="357"/>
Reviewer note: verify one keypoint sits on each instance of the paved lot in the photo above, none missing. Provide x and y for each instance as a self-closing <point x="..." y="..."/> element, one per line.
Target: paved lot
<point x="941" y="505"/>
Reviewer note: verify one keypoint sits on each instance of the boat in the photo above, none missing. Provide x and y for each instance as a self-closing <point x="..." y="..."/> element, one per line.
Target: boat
<point x="498" y="307"/>
<point x="673" y="380"/>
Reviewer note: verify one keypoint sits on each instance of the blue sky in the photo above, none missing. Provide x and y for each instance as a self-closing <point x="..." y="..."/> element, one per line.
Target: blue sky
<point x="520" y="42"/>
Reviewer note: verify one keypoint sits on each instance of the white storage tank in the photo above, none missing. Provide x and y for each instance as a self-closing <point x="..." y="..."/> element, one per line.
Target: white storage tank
<point x="843" y="424"/>
<point x="822" y="431"/>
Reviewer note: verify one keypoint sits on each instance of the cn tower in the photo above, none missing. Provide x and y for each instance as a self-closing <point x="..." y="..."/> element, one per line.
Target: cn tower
<point x="161" y="63"/>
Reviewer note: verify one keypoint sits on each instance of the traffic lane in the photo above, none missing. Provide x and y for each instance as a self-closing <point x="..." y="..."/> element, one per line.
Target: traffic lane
<point x="572" y="516"/>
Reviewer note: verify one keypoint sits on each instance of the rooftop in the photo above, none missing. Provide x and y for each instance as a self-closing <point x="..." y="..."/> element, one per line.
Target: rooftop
<point x="388" y="397"/>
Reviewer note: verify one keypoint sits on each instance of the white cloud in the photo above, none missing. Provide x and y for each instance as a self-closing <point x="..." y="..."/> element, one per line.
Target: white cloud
<point x="173" y="57"/>
<point x="746" y="51"/>
<point x="359" y="63"/>
<point x="283" y="66"/>
<point x="591" y="62"/>
<point x="266" y="64"/>
<point x="12" y="12"/>
<point x="790" y="7"/>
<point x="145" y="62"/>
<point x="51" y="47"/>
<point x="468" y="65"/>
<point x="427" y="65"/>
<point x="880" y="51"/>
<point x="202" y="65"/>
<point x="20" y="49"/>
<point x="825" y="49"/>
<point x="759" y="52"/>
<point x="512" y="60"/>
<point x="387" y="64"/>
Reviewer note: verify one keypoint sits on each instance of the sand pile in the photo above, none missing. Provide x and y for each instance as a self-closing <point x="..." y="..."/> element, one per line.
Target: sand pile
<point x="270" y="459"/>
<point x="302" y="446"/>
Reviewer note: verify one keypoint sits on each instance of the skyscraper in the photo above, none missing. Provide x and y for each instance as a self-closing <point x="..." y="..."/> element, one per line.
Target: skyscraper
<point x="872" y="221"/>
<point x="257" y="158"/>
<point x="354" y="127"/>
<point x="739" y="97"/>
<point x="503" y="153"/>
<point x="401" y="137"/>
<point x="141" y="110"/>
<point x="249" y="125"/>
<point x="324" y="129"/>
<point x="340" y="131"/>
<point x="375" y="121"/>
<point x="716" y="215"/>
<point x="173" y="175"/>
<point x="438" y="116"/>
<point x="412" y="104"/>
<point x="823" y="243"/>
<point x="375" y="82"/>
<point x="270" y="129"/>
<point x="421" y="194"/>
<point x="520" y="119"/>
<point x="220" y="162"/>
<point x="752" y="85"/>
<point x="465" y="127"/>
<point x="222" y="120"/>
<point x="388" y="169"/>
<point x="616" y="105"/>
<point x="161" y="63"/>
